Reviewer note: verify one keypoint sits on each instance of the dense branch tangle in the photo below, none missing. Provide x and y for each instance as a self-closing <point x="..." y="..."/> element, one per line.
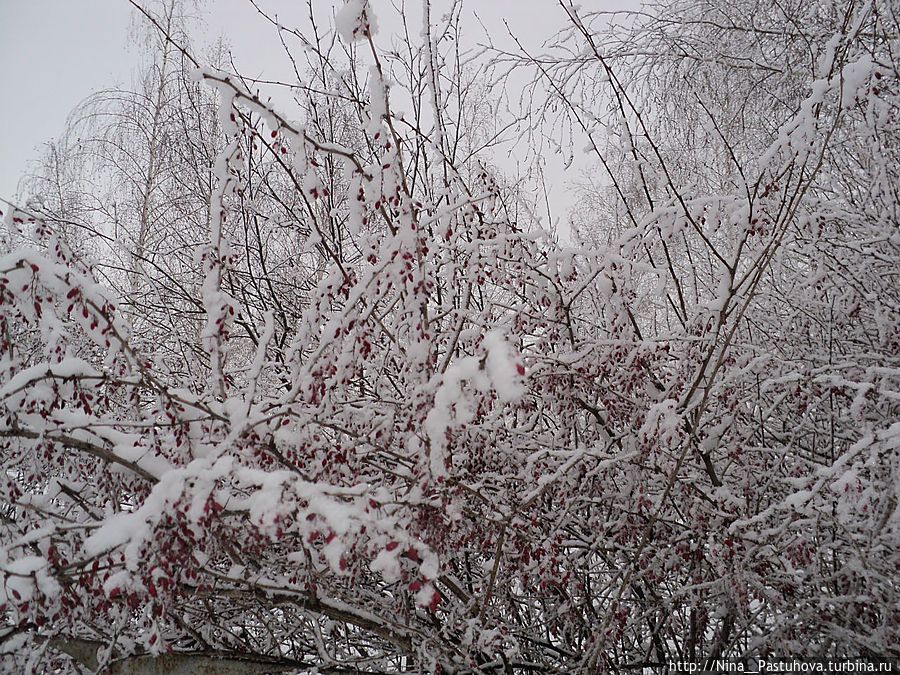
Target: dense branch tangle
<point x="384" y="423"/>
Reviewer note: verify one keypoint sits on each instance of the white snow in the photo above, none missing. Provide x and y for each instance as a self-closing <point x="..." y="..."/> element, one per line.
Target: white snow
<point x="503" y="367"/>
<point x="354" y="20"/>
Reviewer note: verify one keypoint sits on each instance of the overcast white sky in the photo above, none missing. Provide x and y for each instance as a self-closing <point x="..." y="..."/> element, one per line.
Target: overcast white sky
<point x="55" y="53"/>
